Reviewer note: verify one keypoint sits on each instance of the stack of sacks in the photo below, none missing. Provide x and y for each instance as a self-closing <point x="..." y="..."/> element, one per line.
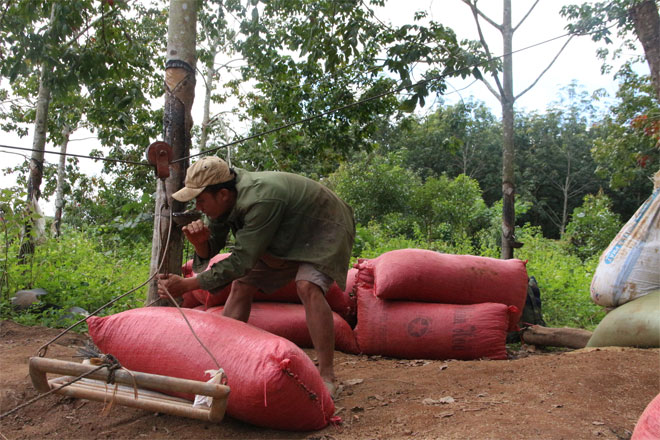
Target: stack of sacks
<point x="415" y="303"/>
<point x="289" y="322"/>
<point x="273" y="382"/>
<point x="281" y="312"/>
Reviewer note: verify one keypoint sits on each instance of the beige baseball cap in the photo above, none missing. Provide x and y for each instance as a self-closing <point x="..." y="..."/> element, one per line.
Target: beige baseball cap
<point x="209" y="170"/>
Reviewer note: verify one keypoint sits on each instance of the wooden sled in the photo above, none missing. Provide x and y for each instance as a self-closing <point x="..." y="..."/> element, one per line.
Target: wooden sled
<point x="93" y="387"/>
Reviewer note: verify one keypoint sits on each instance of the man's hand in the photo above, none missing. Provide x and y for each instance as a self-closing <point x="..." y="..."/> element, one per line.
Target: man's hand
<point x="198" y="235"/>
<point x="175" y="285"/>
<point x="197" y="232"/>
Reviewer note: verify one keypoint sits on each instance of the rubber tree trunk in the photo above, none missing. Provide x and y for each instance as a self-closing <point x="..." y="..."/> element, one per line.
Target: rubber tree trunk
<point x="59" y="192"/>
<point x="36" y="163"/>
<point x="177" y="121"/>
<point x="646" y="19"/>
<point x="508" y="148"/>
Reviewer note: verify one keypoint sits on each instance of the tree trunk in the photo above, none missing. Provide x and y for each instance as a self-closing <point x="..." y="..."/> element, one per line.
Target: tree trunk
<point x="508" y="184"/>
<point x="59" y="192"/>
<point x="177" y="121"/>
<point x="36" y="162"/>
<point x="556" y="337"/>
<point x="647" y="27"/>
<point x="566" y="195"/>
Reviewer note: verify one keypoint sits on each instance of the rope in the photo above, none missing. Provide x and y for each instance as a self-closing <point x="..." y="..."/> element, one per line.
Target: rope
<point x="317" y="115"/>
<point x="107" y="159"/>
<point x="44" y="348"/>
<point x="102" y="361"/>
<point x="193" y="331"/>
<point x="366" y="100"/>
<point x="179" y="308"/>
<point x="53" y="390"/>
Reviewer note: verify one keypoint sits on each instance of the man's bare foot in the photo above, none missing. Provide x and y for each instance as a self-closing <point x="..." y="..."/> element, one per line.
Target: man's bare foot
<point x="330" y="386"/>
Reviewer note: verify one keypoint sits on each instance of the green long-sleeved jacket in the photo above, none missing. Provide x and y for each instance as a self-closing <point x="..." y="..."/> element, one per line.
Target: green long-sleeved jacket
<point x="284" y="215"/>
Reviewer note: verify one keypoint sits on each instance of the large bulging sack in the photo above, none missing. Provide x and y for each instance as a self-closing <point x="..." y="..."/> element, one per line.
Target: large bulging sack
<point x="273" y="383"/>
<point x="416" y="330"/>
<point x="648" y="425"/>
<point x="289" y="321"/>
<point x="634" y="324"/>
<point x="629" y="267"/>
<point x="422" y="275"/>
<point x="342" y="302"/>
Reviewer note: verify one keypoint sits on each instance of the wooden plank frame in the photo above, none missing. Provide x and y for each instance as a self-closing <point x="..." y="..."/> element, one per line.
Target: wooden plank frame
<point x="97" y="389"/>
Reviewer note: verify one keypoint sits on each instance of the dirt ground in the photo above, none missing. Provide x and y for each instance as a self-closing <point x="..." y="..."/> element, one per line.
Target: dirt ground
<point x="536" y="394"/>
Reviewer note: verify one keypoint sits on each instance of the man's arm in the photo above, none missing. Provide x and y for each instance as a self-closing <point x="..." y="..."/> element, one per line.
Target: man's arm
<point x="260" y="224"/>
<point x="198" y="235"/>
<point x="175" y="285"/>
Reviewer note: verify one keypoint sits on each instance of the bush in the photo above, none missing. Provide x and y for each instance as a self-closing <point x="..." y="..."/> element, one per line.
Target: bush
<point x="563" y="279"/>
<point x="374" y="187"/>
<point x="449" y="209"/>
<point x="76" y="270"/>
<point x="592" y="227"/>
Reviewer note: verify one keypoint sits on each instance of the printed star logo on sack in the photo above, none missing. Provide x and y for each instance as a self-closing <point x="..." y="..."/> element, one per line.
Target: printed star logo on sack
<point x="418" y="327"/>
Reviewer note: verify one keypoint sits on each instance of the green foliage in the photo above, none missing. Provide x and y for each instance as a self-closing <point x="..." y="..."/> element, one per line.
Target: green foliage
<point x="463" y="138"/>
<point x="555" y="167"/>
<point x="100" y="62"/>
<point x="489" y="239"/>
<point x="375" y="186"/>
<point x="12" y="219"/>
<point x="80" y="268"/>
<point x="77" y="270"/>
<point x="446" y="208"/>
<point x="440" y="209"/>
<point x="115" y="209"/>
<point x="564" y="280"/>
<point x="593" y="226"/>
<point x="627" y="150"/>
<point x="337" y="53"/>
<point x="599" y="20"/>
<point x="374" y="240"/>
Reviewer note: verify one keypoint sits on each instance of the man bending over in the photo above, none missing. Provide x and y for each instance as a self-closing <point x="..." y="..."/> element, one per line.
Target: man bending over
<point x="286" y="227"/>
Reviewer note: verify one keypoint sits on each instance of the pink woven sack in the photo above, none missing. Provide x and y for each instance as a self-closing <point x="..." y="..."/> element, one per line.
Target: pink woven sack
<point x="273" y="383"/>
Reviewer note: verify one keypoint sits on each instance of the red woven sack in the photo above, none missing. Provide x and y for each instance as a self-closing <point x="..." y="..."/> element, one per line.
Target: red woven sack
<point x="273" y="383"/>
<point x="422" y="275"/>
<point x="289" y="322"/>
<point x="189" y="301"/>
<point x="416" y="330"/>
<point x="344" y="303"/>
<point x="648" y="425"/>
<point x="202" y="296"/>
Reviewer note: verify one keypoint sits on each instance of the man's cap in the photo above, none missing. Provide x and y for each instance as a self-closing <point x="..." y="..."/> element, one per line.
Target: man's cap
<point x="209" y="170"/>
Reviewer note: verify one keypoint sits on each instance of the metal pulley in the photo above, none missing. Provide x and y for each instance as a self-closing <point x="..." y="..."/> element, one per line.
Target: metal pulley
<point x="159" y="154"/>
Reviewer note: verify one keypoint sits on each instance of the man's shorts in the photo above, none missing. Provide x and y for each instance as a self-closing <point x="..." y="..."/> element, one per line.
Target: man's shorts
<point x="271" y="274"/>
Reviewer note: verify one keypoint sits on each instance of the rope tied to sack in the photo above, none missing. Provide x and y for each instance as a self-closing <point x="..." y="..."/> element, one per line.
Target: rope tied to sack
<point x="284" y="366"/>
<point x="314" y="397"/>
<point x="102" y="361"/>
<point x="98" y="359"/>
<point x="109" y="361"/>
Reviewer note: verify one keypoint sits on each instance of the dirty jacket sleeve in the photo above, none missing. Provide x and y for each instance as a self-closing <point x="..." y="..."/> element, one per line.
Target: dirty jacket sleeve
<point x="261" y="223"/>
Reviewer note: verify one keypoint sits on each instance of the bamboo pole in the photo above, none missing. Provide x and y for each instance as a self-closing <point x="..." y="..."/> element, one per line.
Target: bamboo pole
<point x="98" y="390"/>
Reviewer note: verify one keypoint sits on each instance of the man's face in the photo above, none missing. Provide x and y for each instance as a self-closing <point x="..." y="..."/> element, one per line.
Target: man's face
<point x="213" y="205"/>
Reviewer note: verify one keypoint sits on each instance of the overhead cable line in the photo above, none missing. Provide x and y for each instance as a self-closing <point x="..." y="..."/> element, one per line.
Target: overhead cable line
<point x="310" y="118"/>
<point x="83" y="156"/>
<point x="363" y="101"/>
